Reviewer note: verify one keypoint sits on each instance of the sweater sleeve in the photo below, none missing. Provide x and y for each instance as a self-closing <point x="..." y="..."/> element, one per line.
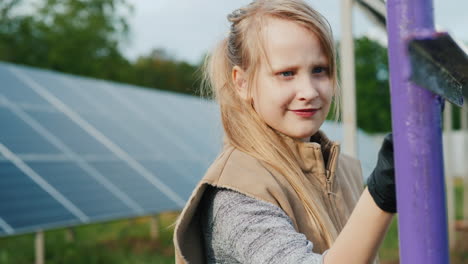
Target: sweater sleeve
<point x="241" y="229"/>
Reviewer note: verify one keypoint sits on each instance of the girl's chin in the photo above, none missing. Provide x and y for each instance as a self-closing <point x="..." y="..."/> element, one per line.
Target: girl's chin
<point x="302" y="133"/>
<point x="310" y="132"/>
<point x="304" y="136"/>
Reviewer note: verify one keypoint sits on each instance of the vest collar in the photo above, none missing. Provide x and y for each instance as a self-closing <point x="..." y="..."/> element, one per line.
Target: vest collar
<point x="318" y="156"/>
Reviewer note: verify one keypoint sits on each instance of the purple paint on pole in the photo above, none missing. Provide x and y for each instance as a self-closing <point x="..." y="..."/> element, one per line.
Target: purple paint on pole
<point x="416" y="121"/>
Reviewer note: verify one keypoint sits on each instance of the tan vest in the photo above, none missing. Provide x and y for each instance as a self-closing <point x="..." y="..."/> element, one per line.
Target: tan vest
<point x="339" y="175"/>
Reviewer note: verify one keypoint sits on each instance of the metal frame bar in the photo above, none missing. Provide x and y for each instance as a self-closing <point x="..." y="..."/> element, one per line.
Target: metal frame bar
<point x="39" y="247"/>
<point x="348" y="79"/>
<point x="416" y="121"/>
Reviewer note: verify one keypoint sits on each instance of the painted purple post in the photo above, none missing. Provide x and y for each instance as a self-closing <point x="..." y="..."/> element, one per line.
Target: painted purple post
<point x="416" y="121"/>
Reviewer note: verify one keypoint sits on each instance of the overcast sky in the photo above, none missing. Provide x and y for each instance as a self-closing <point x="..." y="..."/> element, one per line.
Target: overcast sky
<point x="189" y="28"/>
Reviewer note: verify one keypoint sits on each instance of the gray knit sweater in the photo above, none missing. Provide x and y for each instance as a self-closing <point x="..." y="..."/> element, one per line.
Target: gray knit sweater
<point x="241" y="229"/>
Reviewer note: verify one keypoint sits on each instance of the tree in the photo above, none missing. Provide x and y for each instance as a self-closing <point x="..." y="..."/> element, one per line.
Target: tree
<point x="372" y="86"/>
<point x="162" y="71"/>
<point x="10" y="25"/>
<point x="83" y="37"/>
<point x="75" y="36"/>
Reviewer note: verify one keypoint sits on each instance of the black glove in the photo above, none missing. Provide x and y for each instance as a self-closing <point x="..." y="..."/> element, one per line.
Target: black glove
<point x="381" y="182"/>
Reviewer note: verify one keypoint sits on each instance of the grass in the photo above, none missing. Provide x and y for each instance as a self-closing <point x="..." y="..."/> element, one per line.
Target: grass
<point x="129" y="242"/>
<point x="120" y="242"/>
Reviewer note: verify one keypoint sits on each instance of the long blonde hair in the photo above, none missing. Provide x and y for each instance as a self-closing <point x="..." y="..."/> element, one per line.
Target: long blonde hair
<point x="244" y="128"/>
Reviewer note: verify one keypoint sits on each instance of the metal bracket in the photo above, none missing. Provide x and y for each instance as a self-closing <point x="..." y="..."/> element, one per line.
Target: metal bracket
<point x="440" y="65"/>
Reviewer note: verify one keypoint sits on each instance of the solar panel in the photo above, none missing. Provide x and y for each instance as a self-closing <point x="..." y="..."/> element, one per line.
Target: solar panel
<point x="26" y="205"/>
<point x="20" y="138"/>
<point x="71" y="95"/>
<point x="123" y="134"/>
<point x="75" y="150"/>
<point x="143" y="191"/>
<point x="16" y="91"/>
<point x="70" y="133"/>
<point x="92" y="197"/>
<point x="195" y="130"/>
<point x="178" y="180"/>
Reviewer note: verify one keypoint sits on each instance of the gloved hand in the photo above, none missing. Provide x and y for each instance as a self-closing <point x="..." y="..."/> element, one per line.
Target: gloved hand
<point x="381" y="182"/>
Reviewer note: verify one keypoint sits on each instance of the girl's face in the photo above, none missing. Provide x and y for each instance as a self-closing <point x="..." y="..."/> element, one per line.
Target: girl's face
<point x="293" y="95"/>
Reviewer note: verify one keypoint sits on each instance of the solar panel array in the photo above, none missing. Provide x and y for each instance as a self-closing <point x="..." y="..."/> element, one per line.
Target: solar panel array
<point x="75" y="150"/>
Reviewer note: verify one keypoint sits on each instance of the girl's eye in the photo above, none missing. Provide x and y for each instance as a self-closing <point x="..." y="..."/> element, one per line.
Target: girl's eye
<point x="320" y="69"/>
<point x="287" y="74"/>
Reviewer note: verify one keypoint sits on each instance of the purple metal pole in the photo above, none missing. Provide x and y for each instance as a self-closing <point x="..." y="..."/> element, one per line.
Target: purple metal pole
<point x="416" y="120"/>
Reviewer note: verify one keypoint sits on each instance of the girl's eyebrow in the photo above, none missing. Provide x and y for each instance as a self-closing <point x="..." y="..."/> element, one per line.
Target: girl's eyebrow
<point x="286" y="67"/>
<point x="320" y="61"/>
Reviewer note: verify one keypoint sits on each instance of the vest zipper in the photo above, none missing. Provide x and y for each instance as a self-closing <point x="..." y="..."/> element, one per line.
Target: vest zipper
<point x="331" y="200"/>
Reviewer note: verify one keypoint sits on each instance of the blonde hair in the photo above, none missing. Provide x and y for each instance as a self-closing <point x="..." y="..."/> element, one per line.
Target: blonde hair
<point x="244" y="128"/>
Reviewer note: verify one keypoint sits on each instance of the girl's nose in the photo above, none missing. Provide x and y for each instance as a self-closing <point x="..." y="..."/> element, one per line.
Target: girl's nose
<point x="307" y="89"/>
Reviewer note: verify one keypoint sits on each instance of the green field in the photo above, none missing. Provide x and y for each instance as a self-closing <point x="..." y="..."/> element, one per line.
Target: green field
<point x="129" y="242"/>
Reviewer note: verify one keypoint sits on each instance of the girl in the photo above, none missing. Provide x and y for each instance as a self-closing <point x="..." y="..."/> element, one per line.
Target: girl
<point x="280" y="191"/>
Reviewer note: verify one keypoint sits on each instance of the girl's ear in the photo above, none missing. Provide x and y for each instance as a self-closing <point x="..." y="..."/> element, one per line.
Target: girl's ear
<point x="239" y="79"/>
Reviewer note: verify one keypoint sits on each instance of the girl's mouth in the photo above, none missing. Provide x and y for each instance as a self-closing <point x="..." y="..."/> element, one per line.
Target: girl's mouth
<point x="306" y="112"/>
